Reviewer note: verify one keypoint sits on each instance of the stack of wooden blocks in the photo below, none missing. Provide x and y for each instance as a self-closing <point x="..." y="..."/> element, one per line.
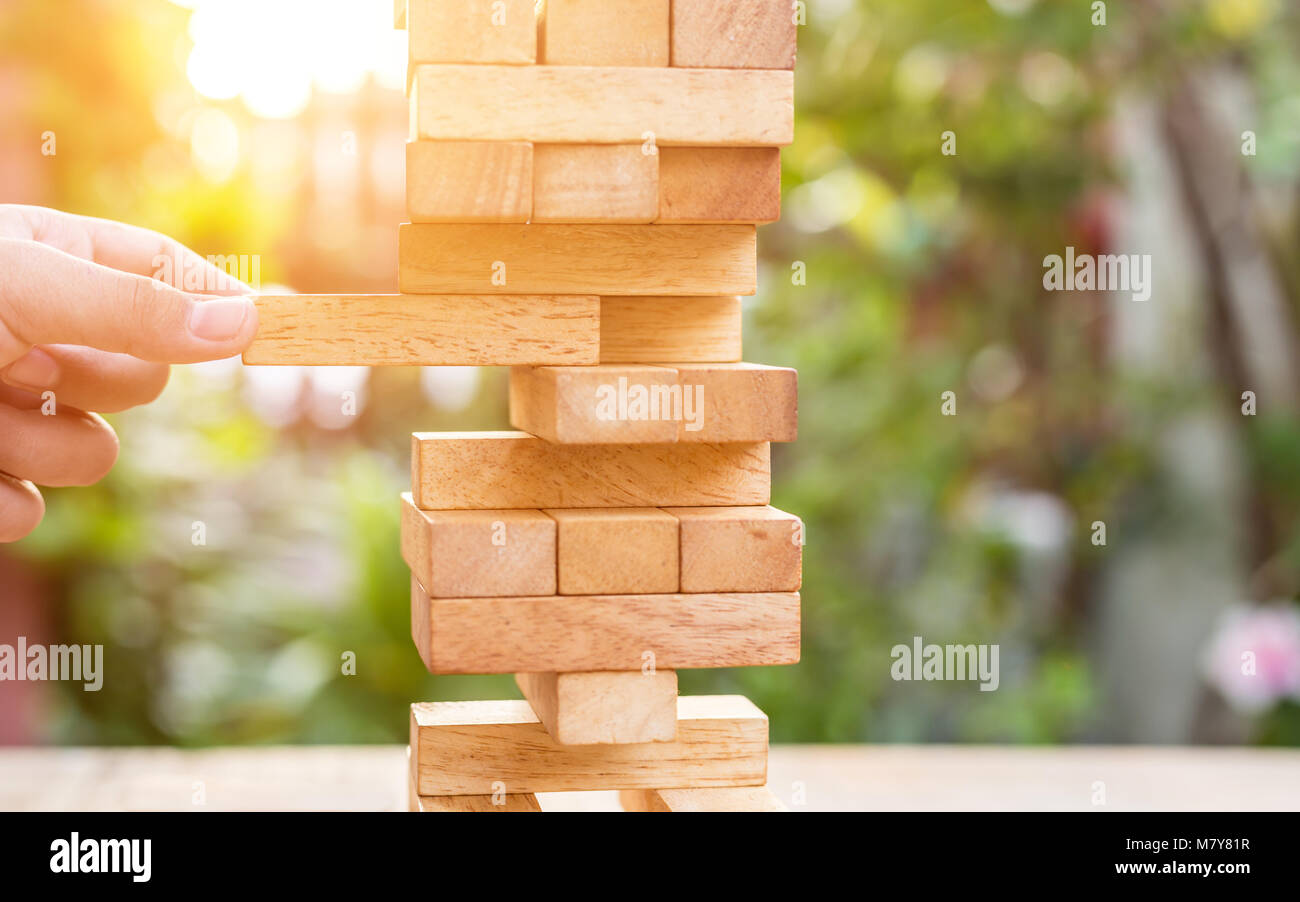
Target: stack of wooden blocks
<point x="584" y="180"/>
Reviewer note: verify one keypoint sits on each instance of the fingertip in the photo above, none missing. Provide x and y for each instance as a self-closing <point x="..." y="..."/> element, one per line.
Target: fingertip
<point x="21" y="508"/>
<point x="230" y="322"/>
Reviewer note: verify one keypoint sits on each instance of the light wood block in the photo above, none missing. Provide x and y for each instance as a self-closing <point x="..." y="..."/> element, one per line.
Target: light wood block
<point x="627" y="404"/>
<point x="595" y="183"/>
<point x="616" y="551"/>
<point x="507" y="470"/>
<point x="466" y="554"/>
<point x="736" y="798"/>
<point x="719" y="184"/>
<point x="462" y="748"/>
<point x="520" y="802"/>
<point x="469" y="181"/>
<point x="601" y="33"/>
<point x="611" y="404"/>
<point x="603" y="105"/>
<point x="425" y="330"/>
<point x="567" y="633"/>
<point x="399" y="14"/>
<point x="680" y="329"/>
<point x="472" y="31"/>
<point x="735" y="34"/>
<point x="604" y="707"/>
<point x="739" y="549"/>
<point x="504" y="258"/>
<point x="739" y="402"/>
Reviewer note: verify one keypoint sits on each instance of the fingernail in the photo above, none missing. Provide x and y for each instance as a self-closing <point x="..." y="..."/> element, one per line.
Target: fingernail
<point x="219" y="319"/>
<point x="35" y="369"/>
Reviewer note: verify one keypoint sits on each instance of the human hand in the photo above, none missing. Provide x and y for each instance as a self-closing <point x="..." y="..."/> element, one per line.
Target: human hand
<point x="81" y="318"/>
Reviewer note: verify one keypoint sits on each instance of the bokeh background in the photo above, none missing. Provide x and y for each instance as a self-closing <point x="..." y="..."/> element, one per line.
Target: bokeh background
<point x="275" y="128"/>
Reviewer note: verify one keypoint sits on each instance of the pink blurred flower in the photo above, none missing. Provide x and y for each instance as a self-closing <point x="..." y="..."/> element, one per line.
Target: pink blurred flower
<point x="1253" y="659"/>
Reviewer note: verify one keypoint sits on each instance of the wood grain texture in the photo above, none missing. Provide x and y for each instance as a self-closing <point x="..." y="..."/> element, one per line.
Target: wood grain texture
<point x="505" y="258"/>
<point x="595" y="183"/>
<point x="603" y="105"/>
<point x="680" y="329"/>
<point x="566" y="633"/>
<point x="738" y="402"/>
<point x="581" y="405"/>
<point x="505" y="470"/>
<point x="463" y="748"/>
<point x="425" y="330"/>
<point x="735" y="798"/>
<point x="601" y="33"/>
<point x="739" y="549"/>
<point x="604" y="707"/>
<point x="719" y="184"/>
<point x="467" y="554"/>
<point x="521" y="802"/>
<point x="472" y="31"/>
<point x="735" y="34"/>
<point x="469" y="181"/>
<point x="637" y="404"/>
<point x="616" y="551"/>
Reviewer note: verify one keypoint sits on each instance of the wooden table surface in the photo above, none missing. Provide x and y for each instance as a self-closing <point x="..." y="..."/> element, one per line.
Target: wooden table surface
<point x="807" y="777"/>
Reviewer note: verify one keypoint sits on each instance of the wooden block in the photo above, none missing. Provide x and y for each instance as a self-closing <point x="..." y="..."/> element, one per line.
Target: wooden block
<point x="626" y="404"/>
<point x="467" y="554"/>
<point x="567" y="633"/>
<point x="738" y="402"/>
<point x="425" y="330"/>
<point x="504" y="258"/>
<point x="399" y="14"/>
<point x="469" y="181"/>
<point x="739" y="549"/>
<point x="519" y="802"/>
<point x="649" y="329"/>
<point x="735" y="34"/>
<point x="472" y="31"/>
<point x="601" y="33"/>
<point x="719" y="184"/>
<point x="595" y="183"/>
<point x="611" y="404"/>
<point x="508" y="470"/>
<point x="618" y="551"/>
<point x="734" y="798"/>
<point x="603" y="105"/>
<point x="463" y="748"/>
<point x="604" y="707"/>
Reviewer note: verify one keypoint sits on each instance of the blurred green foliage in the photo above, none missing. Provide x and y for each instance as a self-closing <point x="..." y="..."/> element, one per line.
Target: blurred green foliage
<point x="923" y="275"/>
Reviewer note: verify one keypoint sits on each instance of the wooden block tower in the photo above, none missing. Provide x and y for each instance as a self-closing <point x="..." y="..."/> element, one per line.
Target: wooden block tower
<point x="584" y="182"/>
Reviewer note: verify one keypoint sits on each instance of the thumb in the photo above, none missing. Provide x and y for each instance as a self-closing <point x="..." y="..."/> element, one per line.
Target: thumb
<point x="51" y="297"/>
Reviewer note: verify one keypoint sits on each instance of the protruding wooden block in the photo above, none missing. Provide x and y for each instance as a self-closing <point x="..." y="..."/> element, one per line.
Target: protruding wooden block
<point x="739" y="402"/>
<point x="399" y="14"/>
<point x="735" y="34"/>
<point x="425" y="330"/>
<point x="467" y="554"/>
<point x="567" y="633"/>
<point x="611" y="404"/>
<point x="464" y="748"/>
<point x="739" y="549"/>
<point x="486" y="803"/>
<point x="601" y="33"/>
<point x="616" y="551"/>
<point x="595" y="183"/>
<point x="650" y="329"/>
<point x="604" y="707"/>
<point x="469" y="181"/>
<point x="505" y="258"/>
<point x="507" y="470"/>
<point x="626" y="404"/>
<point x="472" y="31"/>
<point x="737" y="798"/>
<point x="719" y="184"/>
<point x="603" y="105"/>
